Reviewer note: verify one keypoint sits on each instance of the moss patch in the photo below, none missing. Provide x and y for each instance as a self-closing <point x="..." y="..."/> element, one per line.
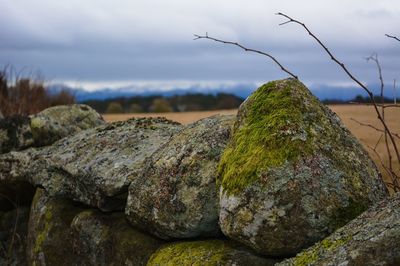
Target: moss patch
<point x="210" y="252"/>
<point x="274" y="130"/>
<point x="311" y="255"/>
<point x="345" y="214"/>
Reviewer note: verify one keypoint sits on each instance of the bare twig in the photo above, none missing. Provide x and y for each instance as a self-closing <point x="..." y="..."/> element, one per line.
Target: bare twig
<point x="374" y="57"/>
<point x="393" y="37"/>
<point x="247" y="50"/>
<point x="374" y="127"/>
<point x="345" y="69"/>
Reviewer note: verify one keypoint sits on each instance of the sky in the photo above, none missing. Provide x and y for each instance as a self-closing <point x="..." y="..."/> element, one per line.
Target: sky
<point x="102" y="43"/>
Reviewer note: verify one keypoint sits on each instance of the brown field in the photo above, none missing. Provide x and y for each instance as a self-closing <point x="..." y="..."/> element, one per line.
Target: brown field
<point x="362" y="113"/>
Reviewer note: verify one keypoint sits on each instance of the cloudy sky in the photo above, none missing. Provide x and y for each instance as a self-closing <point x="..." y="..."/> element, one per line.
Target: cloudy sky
<point x="96" y="43"/>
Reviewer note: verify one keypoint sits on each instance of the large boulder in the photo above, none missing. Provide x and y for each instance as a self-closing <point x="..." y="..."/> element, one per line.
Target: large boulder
<point x="373" y="238"/>
<point x="58" y="122"/>
<point x="13" y="235"/>
<point x="175" y="195"/>
<point x="209" y="252"/>
<point x="108" y="239"/>
<point x="19" y="132"/>
<point x="96" y="166"/>
<point x="49" y="238"/>
<point x="292" y="173"/>
<point x="15" y="133"/>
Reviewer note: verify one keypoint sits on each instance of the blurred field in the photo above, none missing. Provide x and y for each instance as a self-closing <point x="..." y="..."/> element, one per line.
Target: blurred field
<point x="362" y="113"/>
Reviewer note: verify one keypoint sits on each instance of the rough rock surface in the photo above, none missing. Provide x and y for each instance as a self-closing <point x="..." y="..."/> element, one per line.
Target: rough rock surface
<point x="15" y="133"/>
<point x="13" y="234"/>
<point x="175" y="196"/>
<point x="209" y="252"/>
<point x="292" y="173"/>
<point x="20" y="132"/>
<point x="60" y="121"/>
<point x="108" y="239"/>
<point x="14" y="179"/>
<point x="96" y="166"/>
<point x="49" y="238"/>
<point x="373" y="238"/>
<point x="63" y="233"/>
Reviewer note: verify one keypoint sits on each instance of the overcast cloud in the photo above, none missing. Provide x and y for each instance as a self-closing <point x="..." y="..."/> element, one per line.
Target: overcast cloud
<point x="104" y="42"/>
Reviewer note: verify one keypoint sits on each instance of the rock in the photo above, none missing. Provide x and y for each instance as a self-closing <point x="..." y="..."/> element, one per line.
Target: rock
<point x="49" y="236"/>
<point x="13" y="234"/>
<point x="292" y="173"/>
<point x="15" y="133"/>
<point x="107" y="239"/>
<point x="175" y="196"/>
<point x="15" y="188"/>
<point x="57" y="122"/>
<point x="373" y="238"/>
<point x="209" y="252"/>
<point x="63" y="233"/>
<point x="20" y="132"/>
<point x="96" y="166"/>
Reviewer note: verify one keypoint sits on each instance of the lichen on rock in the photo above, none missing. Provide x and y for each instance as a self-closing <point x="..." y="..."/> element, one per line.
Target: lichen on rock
<point x="57" y="122"/>
<point x="96" y="166"/>
<point x="292" y="169"/>
<point x="175" y="195"/>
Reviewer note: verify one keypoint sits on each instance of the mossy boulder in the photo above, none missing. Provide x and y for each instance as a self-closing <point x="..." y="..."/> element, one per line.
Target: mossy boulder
<point x="15" y="133"/>
<point x="108" y="239"/>
<point x="175" y="195"/>
<point x="13" y="235"/>
<point x="207" y="252"/>
<point x="49" y="236"/>
<point x="15" y="187"/>
<point x="96" y="166"/>
<point x="373" y="238"/>
<point x="57" y="122"/>
<point x="292" y="173"/>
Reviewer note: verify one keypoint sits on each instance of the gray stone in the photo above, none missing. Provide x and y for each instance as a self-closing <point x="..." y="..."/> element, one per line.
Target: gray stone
<point x="15" y="187"/>
<point x="175" y="196"/>
<point x="58" y="122"/>
<point x="107" y="239"/>
<point x="373" y="238"/>
<point x="15" y="133"/>
<point x="292" y="173"/>
<point x="49" y="236"/>
<point x="96" y="166"/>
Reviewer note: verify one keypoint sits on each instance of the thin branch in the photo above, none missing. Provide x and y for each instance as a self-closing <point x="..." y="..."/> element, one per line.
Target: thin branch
<point x="247" y="50"/>
<point x="374" y="127"/>
<point x="374" y="57"/>
<point x="368" y="91"/>
<point x="393" y="37"/>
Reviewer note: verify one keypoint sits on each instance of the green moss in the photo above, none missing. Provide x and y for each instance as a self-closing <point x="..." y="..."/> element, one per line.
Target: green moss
<point x="311" y="255"/>
<point x="212" y="252"/>
<point x="343" y="215"/>
<point x="42" y="235"/>
<point x="274" y="130"/>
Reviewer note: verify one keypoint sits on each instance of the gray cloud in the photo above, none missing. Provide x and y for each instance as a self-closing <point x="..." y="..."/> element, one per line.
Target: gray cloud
<point x="152" y="40"/>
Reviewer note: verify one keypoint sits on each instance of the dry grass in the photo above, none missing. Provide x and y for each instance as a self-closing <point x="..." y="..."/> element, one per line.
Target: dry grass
<point x="362" y="113"/>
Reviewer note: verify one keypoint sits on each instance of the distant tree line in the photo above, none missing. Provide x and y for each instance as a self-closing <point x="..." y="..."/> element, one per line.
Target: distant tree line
<point x="361" y="99"/>
<point x="160" y="104"/>
<point x="25" y="96"/>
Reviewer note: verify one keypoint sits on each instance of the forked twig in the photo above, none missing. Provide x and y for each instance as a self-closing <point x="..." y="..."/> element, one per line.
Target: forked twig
<point x="247" y="50"/>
